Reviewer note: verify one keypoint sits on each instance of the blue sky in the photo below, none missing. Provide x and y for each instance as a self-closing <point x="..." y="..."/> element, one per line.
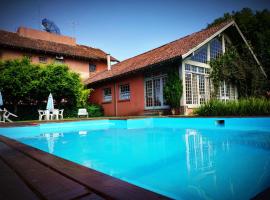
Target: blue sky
<point x="121" y="28"/>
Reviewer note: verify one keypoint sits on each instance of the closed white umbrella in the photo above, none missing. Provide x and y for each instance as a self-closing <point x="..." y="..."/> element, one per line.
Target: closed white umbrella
<point x="50" y="105"/>
<point x="1" y="99"/>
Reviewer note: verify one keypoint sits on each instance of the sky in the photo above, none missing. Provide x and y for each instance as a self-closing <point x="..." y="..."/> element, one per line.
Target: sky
<point x="122" y="28"/>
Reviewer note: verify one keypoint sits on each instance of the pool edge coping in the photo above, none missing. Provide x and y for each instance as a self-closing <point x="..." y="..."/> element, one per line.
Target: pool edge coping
<point x="37" y="123"/>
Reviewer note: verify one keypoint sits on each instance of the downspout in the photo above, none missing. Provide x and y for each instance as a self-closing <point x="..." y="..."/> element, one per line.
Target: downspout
<point x="115" y="97"/>
<point x="108" y="61"/>
<point x="115" y="100"/>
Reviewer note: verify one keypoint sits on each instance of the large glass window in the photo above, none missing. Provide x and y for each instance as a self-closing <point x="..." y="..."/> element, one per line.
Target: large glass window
<point x="154" y="92"/>
<point x="198" y="87"/>
<point x="215" y="48"/>
<point x="197" y="84"/>
<point x="226" y="91"/>
<point x="200" y="55"/>
<point x="124" y="92"/>
<point x="188" y="89"/>
<point x="194" y="81"/>
<point x="107" y="94"/>
<point x="149" y="93"/>
<point x="202" y="89"/>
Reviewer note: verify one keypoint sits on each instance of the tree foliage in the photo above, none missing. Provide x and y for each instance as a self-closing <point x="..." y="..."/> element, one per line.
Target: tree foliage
<point x="173" y="89"/>
<point x="26" y="83"/>
<point x="230" y="67"/>
<point x="256" y="28"/>
<point x="18" y="80"/>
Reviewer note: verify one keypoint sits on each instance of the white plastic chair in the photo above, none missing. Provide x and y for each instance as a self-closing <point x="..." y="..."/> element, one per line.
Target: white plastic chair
<point x="42" y="114"/>
<point x="60" y="113"/>
<point x="82" y="112"/>
<point x="6" y="114"/>
<point x="54" y="114"/>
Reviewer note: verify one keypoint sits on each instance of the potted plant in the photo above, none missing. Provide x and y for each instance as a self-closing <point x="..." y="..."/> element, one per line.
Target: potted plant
<point x="173" y="90"/>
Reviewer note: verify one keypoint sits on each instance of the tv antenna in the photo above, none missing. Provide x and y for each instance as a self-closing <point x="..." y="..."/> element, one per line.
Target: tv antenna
<point x="73" y="27"/>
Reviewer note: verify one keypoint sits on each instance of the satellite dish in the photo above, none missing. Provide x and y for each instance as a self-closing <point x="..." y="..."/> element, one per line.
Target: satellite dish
<point x="50" y="26"/>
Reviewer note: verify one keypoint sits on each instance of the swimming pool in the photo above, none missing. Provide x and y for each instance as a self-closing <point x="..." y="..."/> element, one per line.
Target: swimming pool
<point x="182" y="158"/>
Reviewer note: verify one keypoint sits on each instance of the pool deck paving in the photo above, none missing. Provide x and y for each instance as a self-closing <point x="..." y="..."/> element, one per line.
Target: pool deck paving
<point x="28" y="173"/>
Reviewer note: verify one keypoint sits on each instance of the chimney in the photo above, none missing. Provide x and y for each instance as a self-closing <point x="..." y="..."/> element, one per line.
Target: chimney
<point x="43" y="35"/>
<point x="109" y="61"/>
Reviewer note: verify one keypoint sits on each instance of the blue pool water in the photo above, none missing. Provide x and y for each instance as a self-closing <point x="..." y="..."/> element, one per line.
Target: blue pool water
<point x="183" y="158"/>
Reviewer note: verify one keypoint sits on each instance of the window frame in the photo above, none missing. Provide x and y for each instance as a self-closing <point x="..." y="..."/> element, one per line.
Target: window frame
<point x="215" y="48"/>
<point x="42" y="61"/>
<point x="91" y="65"/>
<point x="124" y="95"/>
<point x="150" y="92"/>
<point x="107" y="97"/>
<point x="227" y="91"/>
<point x="196" y="87"/>
<point x="200" y="55"/>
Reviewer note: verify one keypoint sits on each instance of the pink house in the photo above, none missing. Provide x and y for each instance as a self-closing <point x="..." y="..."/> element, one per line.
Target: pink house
<point x="43" y="47"/>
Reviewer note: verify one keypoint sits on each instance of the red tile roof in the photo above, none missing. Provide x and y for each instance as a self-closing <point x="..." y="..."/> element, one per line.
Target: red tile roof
<point x="168" y="51"/>
<point x="10" y="39"/>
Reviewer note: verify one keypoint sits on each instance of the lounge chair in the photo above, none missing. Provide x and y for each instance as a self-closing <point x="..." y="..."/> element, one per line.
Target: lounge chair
<point x="82" y="112"/>
<point x="5" y="114"/>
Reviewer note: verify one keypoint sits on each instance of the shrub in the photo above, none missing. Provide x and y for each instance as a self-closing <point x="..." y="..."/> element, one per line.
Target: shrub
<point x="173" y="89"/>
<point x="94" y="110"/>
<point x="241" y="107"/>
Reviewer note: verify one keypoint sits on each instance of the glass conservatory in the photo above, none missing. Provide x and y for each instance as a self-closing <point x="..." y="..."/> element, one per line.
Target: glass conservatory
<point x="195" y="75"/>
